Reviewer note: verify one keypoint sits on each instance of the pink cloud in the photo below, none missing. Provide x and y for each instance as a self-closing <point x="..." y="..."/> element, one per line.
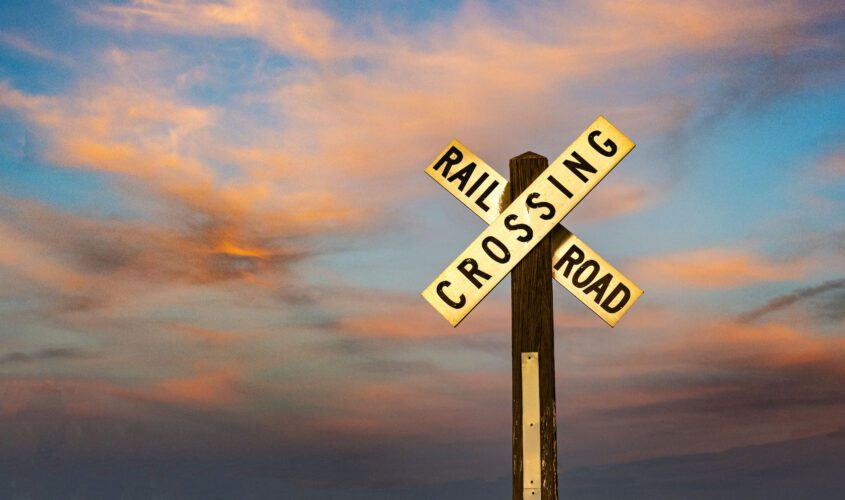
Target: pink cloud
<point x="768" y="346"/>
<point x="718" y="267"/>
<point x="208" y="336"/>
<point x="209" y="386"/>
<point x="409" y="318"/>
<point x="479" y="60"/>
<point x="615" y="200"/>
<point x="833" y="165"/>
<point x="285" y="26"/>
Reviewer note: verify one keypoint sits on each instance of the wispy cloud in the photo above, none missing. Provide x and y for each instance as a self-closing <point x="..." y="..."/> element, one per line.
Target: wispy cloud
<point x="288" y="27"/>
<point x="46" y="354"/>
<point x="617" y="200"/>
<point x="784" y="301"/>
<point x="26" y="46"/>
<point x="718" y="268"/>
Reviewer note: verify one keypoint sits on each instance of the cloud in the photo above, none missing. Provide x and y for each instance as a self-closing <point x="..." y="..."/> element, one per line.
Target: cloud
<point x="834" y="165"/>
<point x="130" y="122"/>
<point x="787" y="300"/>
<point x="718" y="267"/>
<point x="46" y="354"/>
<point x="406" y="317"/>
<point x="208" y="336"/>
<point x="23" y="258"/>
<point x="290" y="27"/>
<point x="92" y="261"/>
<point x="209" y="387"/>
<point x="392" y="97"/>
<point x="27" y="47"/>
<point x="616" y="200"/>
<point x="770" y="346"/>
<point x="203" y="208"/>
<point x="396" y="99"/>
<point x="704" y="383"/>
<point x="728" y="370"/>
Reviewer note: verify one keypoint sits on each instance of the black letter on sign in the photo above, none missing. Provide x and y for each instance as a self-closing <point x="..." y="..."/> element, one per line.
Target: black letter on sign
<point x="452" y="157"/>
<point x="506" y="255"/>
<point x="599" y="286"/>
<point x="560" y="186"/>
<point x="440" y="293"/>
<point x="480" y="200"/>
<point x="529" y="233"/>
<point x="582" y="164"/>
<point x="469" y="268"/>
<point x="576" y="277"/>
<point x="478" y="182"/>
<point x="611" y="146"/>
<point x="464" y="175"/>
<point x="540" y="204"/>
<point x="620" y="288"/>
<point x="573" y="256"/>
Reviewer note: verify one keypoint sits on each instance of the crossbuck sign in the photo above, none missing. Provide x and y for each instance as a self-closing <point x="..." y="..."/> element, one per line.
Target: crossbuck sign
<point x="542" y="195"/>
<point x="514" y="230"/>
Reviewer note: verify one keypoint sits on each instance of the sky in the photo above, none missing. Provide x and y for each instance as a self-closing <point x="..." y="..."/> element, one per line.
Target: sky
<point x="215" y="228"/>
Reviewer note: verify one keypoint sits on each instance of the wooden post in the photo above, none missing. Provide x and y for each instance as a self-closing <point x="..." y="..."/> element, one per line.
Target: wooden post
<point x="533" y="331"/>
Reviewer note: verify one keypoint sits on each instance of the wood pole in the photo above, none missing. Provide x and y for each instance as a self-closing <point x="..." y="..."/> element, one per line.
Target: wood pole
<point x="533" y="331"/>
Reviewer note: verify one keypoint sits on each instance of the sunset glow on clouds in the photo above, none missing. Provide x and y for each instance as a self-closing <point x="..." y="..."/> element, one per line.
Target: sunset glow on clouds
<point x="215" y="227"/>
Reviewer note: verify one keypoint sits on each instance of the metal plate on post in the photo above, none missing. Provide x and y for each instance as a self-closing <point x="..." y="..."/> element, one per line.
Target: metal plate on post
<point x="531" y="425"/>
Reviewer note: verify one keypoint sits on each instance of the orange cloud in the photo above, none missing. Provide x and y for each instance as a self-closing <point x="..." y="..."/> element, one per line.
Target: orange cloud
<point x="718" y="268"/>
<point x="65" y="264"/>
<point x="171" y="149"/>
<point x="697" y="24"/>
<point x="336" y="121"/>
<point x="210" y="387"/>
<point x="208" y="336"/>
<point x="207" y="387"/>
<point x="414" y="319"/>
<point x="403" y="317"/>
<point x="289" y="28"/>
<point x="31" y="260"/>
<point x="616" y="200"/>
<point x="206" y="223"/>
<point x="345" y="119"/>
<point x="770" y="346"/>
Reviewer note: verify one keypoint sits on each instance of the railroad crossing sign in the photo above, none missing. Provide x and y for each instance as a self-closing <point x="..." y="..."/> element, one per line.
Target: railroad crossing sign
<point x="596" y="283"/>
<point x="517" y="238"/>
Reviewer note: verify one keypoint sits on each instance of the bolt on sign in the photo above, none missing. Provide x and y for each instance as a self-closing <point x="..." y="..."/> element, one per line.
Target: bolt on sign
<point x="514" y="230"/>
<point x="576" y="266"/>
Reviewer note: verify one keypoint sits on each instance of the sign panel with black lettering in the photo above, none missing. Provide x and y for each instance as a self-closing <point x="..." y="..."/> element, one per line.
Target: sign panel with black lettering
<point x="590" y="278"/>
<point x="470" y="179"/>
<point x="532" y="215"/>
<point x="482" y="189"/>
